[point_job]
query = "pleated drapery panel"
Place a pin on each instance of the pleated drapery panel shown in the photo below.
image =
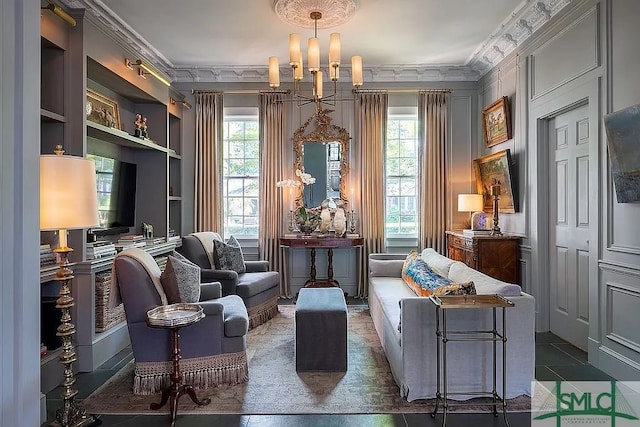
(371, 128)
(272, 153)
(208, 203)
(433, 118)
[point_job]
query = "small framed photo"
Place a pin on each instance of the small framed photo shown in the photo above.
(102, 110)
(496, 121)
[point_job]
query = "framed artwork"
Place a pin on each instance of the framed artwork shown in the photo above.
(623, 141)
(496, 122)
(102, 110)
(495, 169)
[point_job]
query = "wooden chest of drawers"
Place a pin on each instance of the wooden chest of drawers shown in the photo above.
(496, 256)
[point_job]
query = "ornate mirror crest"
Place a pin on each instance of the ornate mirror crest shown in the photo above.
(323, 133)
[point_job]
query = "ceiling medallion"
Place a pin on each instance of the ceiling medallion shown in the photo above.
(298, 12)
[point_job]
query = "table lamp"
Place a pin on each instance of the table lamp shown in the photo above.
(495, 194)
(472, 203)
(68, 200)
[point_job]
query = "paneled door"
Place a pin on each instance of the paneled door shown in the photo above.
(569, 225)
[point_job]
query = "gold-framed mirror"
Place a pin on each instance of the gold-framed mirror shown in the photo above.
(323, 152)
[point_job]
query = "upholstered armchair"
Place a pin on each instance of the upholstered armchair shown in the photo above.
(258, 287)
(213, 350)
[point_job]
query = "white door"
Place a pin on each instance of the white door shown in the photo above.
(569, 225)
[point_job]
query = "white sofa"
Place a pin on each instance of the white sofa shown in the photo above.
(411, 351)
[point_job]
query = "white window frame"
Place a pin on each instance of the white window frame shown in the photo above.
(237, 115)
(402, 113)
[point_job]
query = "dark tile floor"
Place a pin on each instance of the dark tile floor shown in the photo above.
(555, 360)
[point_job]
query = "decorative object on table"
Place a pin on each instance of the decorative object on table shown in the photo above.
(495, 169)
(623, 139)
(340, 222)
(60, 177)
(143, 128)
(102, 110)
(353, 222)
(147, 230)
(495, 193)
(325, 220)
(307, 220)
(497, 122)
(292, 185)
(471, 203)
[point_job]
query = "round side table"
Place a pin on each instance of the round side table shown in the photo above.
(174, 317)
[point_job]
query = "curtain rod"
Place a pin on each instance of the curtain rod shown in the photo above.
(240, 91)
(401, 90)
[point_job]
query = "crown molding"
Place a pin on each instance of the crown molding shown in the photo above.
(522, 24)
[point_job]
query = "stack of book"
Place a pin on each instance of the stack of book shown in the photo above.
(155, 241)
(128, 241)
(47, 257)
(100, 249)
(172, 236)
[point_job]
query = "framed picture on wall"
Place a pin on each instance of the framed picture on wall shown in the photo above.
(102, 110)
(623, 140)
(495, 169)
(496, 121)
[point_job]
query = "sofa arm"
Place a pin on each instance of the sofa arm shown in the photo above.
(386, 265)
(227, 278)
(256, 266)
(210, 291)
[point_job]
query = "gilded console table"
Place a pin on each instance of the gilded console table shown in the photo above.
(330, 243)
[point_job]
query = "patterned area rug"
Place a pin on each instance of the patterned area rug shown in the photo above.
(274, 387)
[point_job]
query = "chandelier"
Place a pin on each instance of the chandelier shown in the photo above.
(304, 13)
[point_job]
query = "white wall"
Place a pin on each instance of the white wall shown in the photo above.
(19, 214)
(587, 53)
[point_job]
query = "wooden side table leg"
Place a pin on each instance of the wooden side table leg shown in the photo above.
(312, 272)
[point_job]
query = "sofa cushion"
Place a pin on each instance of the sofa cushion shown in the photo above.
(419, 277)
(236, 319)
(438, 263)
(181, 280)
(467, 288)
(228, 255)
(385, 267)
(459, 272)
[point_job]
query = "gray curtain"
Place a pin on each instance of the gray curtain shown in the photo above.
(208, 203)
(433, 118)
(371, 129)
(272, 152)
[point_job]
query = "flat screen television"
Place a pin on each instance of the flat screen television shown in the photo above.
(116, 182)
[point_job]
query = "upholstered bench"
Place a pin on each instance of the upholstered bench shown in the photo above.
(321, 330)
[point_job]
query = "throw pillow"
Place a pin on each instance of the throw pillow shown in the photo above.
(419, 277)
(228, 255)
(467, 288)
(181, 281)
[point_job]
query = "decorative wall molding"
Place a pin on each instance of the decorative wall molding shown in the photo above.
(522, 23)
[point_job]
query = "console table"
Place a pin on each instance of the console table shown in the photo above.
(330, 243)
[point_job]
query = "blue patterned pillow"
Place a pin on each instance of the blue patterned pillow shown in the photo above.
(228, 256)
(419, 277)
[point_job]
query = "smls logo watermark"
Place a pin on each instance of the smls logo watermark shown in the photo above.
(585, 403)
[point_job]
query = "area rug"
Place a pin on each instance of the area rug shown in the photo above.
(274, 386)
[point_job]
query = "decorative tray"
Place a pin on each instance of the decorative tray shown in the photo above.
(179, 314)
(471, 301)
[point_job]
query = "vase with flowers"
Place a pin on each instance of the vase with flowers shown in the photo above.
(307, 220)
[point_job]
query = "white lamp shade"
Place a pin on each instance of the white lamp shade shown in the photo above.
(356, 70)
(470, 202)
(274, 72)
(334, 49)
(294, 50)
(68, 194)
(313, 54)
(298, 74)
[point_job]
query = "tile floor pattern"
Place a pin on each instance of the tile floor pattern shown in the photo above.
(555, 360)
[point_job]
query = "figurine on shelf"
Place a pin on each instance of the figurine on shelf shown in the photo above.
(144, 128)
(138, 125)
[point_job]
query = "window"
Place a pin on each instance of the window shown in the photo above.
(241, 165)
(401, 158)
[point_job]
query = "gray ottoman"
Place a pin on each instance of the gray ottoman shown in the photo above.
(321, 330)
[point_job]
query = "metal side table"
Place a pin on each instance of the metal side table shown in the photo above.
(443, 305)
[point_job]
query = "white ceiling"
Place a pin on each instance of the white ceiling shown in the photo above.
(186, 37)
